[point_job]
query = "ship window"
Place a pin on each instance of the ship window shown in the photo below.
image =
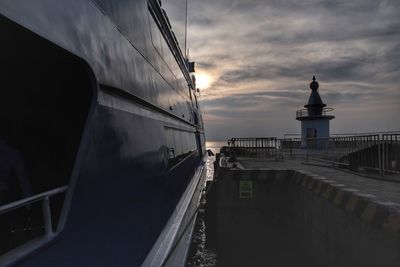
(177, 11)
(180, 144)
(156, 37)
(174, 76)
(194, 97)
(203, 141)
(45, 98)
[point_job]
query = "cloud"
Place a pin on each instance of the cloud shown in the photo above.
(262, 55)
(205, 65)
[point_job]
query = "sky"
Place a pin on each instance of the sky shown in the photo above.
(256, 58)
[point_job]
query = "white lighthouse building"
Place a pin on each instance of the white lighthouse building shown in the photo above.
(314, 119)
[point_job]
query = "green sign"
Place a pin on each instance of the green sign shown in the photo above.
(246, 189)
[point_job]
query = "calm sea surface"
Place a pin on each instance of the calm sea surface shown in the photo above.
(199, 255)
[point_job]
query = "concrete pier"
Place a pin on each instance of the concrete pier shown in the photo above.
(273, 213)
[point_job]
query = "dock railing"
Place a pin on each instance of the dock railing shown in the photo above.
(391, 152)
(379, 152)
(259, 147)
(351, 151)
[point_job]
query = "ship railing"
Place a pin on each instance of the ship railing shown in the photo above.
(304, 112)
(30, 245)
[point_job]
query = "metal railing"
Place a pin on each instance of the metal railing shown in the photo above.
(304, 112)
(391, 152)
(376, 152)
(259, 147)
(354, 151)
(253, 142)
(24, 249)
(44, 197)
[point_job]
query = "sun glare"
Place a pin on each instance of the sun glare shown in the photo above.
(202, 80)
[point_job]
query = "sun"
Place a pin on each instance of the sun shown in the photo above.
(203, 80)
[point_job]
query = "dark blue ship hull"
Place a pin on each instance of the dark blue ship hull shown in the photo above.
(125, 135)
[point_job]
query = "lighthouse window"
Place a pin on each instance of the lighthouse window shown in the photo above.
(311, 133)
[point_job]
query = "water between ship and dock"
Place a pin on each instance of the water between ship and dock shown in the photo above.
(200, 255)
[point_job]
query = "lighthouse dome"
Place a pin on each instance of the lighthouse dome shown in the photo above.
(314, 85)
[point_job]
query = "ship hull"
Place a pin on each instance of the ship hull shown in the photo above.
(136, 172)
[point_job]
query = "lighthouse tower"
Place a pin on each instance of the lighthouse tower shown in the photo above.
(314, 119)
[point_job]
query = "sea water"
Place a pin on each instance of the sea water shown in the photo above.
(200, 255)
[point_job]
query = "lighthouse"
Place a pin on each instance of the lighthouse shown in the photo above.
(314, 119)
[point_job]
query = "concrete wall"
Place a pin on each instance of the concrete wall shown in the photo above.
(298, 219)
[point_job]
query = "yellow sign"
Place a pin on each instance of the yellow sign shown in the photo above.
(246, 189)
